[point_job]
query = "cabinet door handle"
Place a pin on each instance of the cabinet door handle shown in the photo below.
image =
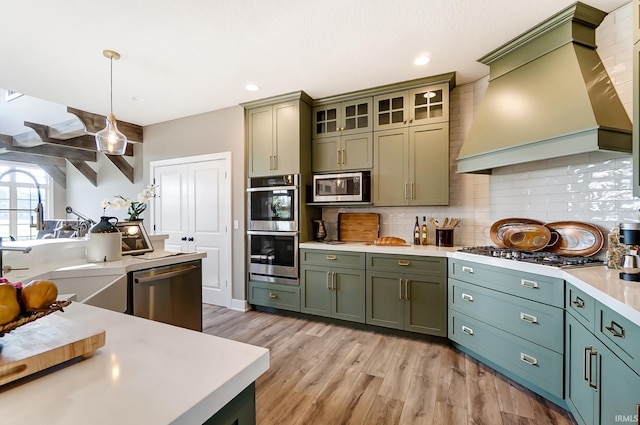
(578, 302)
(585, 372)
(592, 354)
(273, 295)
(400, 288)
(467, 330)
(467, 269)
(334, 285)
(613, 331)
(329, 280)
(529, 318)
(270, 162)
(530, 360)
(344, 155)
(406, 186)
(413, 192)
(531, 284)
(331, 257)
(406, 289)
(404, 263)
(466, 297)
(275, 162)
(338, 157)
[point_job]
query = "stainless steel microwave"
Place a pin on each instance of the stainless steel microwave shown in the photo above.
(342, 187)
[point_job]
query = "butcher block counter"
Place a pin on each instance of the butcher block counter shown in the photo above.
(147, 373)
(601, 283)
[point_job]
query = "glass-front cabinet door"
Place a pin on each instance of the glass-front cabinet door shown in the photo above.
(342, 118)
(423, 105)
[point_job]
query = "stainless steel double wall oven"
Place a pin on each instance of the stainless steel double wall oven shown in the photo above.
(273, 228)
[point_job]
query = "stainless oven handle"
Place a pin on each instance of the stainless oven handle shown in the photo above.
(271, 188)
(165, 275)
(262, 233)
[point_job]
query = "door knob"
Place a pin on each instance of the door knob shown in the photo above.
(184, 238)
(190, 239)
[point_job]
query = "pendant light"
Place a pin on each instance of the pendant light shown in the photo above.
(109, 140)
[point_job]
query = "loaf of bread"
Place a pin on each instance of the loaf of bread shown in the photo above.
(389, 240)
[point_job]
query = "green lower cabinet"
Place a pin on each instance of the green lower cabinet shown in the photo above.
(333, 292)
(410, 302)
(600, 388)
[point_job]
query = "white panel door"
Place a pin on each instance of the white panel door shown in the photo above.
(194, 209)
(208, 203)
(171, 206)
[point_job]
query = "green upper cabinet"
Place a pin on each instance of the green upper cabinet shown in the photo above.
(411, 166)
(342, 153)
(348, 117)
(423, 105)
(342, 136)
(278, 135)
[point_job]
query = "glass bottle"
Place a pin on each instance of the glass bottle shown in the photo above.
(425, 240)
(416, 232)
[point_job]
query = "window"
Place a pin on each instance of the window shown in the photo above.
(19, 198)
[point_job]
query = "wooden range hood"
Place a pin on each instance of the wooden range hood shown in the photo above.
(73, 141)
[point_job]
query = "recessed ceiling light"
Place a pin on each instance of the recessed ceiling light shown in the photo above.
(422, 60)
(252, 87)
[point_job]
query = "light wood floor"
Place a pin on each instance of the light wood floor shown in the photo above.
(323, 373)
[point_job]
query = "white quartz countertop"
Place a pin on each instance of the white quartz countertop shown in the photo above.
(147, 373)
(601, 283)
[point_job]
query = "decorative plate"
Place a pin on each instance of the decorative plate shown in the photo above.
(527, 237)
(501, 226)
(576, 238)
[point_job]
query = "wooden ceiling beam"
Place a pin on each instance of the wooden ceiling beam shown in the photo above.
(54, 151)
(122, 165)
(33, 159)
(95, 122)
(86, 171)
(85, 142)
(57, 174)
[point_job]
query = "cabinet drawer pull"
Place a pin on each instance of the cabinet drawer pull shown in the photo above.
(578, 302)
(331, 257)
(466, 297)
(273, 295)
(529, 318)
(404, 262)
(467, 269)
(613, 330)
(531, 284)
(467, 330)
(528, 359)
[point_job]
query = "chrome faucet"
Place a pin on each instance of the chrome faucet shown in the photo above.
(39, 210)
(23, 249)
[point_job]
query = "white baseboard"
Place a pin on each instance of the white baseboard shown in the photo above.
(240, 305)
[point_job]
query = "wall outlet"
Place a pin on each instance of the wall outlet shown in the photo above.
(236, 225)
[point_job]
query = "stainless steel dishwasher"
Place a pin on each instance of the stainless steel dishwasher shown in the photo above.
(170, 294)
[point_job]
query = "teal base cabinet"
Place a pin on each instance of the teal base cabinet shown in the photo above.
(407, 293)
(274, 295)
(602, 384)
(511, 319)
(332, 284)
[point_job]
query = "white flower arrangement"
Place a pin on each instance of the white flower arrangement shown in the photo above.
(134, 208)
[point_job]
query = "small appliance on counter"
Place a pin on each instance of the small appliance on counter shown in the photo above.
(630, 235)
(104, 241)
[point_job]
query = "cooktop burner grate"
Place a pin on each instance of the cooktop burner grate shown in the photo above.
(535, 257)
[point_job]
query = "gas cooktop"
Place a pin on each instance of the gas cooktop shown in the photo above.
(535, 257)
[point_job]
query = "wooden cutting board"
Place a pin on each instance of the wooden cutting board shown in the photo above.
(47, 342)
(358, 227)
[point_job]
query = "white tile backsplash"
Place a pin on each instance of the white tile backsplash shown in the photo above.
(593, 188)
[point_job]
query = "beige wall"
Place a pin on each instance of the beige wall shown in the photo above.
(212, 132)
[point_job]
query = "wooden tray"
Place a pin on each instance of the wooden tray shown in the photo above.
(358, 227)
(44, 343)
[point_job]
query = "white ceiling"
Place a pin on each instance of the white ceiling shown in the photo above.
(194, 56)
